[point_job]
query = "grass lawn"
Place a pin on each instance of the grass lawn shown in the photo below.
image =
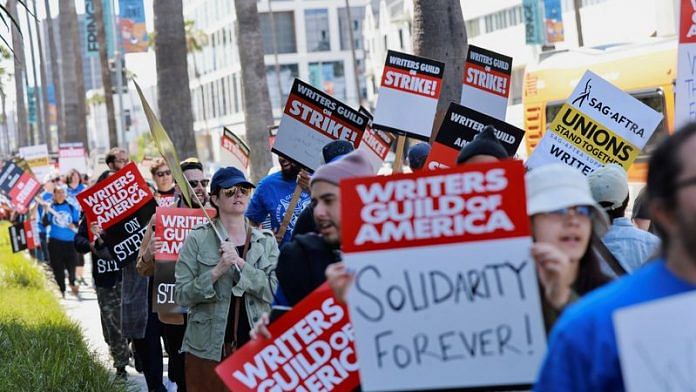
(41, 349)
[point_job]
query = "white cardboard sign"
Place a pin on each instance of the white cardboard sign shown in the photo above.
(685, 100)
(445, 292)
(72, 156)
(486, 82)
(657, 344)
(37, 158)
(376, 144)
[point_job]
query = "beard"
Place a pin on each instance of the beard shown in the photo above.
(291, 172)
(686, 225)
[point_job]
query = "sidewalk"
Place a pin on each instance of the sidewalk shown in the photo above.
(86, 313)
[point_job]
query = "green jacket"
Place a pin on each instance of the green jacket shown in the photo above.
(208, 302)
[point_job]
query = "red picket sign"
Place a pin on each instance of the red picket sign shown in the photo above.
(311, 349)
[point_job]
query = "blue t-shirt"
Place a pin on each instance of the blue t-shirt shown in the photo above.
(60, 224)
(582, 353)
(72, 195)
(272, 197)
(47, 197)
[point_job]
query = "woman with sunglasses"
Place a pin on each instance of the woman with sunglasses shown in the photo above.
(226, 285)
(164, 183)
(566, 221)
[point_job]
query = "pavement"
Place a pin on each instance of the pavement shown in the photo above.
(85, 312)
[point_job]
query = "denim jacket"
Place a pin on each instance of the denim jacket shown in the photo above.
(209, 302)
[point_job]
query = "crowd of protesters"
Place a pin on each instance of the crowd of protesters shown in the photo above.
(591, 259)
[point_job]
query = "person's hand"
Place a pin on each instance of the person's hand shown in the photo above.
(303, 180)
(339, 279)
(96, 229)
(556, 273)
(260, 329)
(155, 245)
(228, 259)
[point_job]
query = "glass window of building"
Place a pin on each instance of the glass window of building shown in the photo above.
(288, 73)
(317, 25)
(329, 77)
(357, 14)
(284, 23)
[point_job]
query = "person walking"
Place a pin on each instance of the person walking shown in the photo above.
(62, 217)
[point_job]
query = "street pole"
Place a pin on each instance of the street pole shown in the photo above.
(118, 57)
(576, 5)
(352, 51)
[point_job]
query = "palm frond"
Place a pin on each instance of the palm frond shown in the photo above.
(14, 21)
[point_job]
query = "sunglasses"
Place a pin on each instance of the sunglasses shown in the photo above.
(55, 180)
(585, 211)
(231, 192)
(194, 183)
(163, 173)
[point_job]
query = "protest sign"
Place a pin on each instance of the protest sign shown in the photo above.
(376, 144)
(311, 349)
(445, 292)
(599, 124)
(311, 120)
(18, 185)
(122, 206)
(685, 100)
(22, 236)
(37, 159)
(486, 82)
(72, 156)
(408, 95)
(234, 151)
(656, 352)
(460, 126)
(172, 225)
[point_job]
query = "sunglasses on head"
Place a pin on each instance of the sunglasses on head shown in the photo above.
(231, 192)
(576, 210)
(163, 173)
(194, 183)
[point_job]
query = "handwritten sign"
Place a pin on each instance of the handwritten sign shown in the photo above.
(311, 120)
(685, 100)
(599, 124)
(376, 144)
(408, 95)
(656, 352)
(122, 206)
(311, 350)
(486, 82)
(172, 225)
(445, 292)
(460, 126)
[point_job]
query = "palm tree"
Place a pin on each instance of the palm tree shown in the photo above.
(44, 82)
(105, 73)
(439, 33)
(174, 101)
(19, 70)
(74, 106)
(55, 74)
(258, 115)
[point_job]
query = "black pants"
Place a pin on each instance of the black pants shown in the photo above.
(173, 338)
(63, 256)
(149, 349)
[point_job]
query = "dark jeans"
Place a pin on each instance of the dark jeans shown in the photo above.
(42, 252)
(149, 349)
(63, 257)
(173, 338)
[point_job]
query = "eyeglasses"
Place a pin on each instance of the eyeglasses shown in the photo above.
(585, 211)
(121, 160)
(685, 183)
(55, 180)
(194, 183)
(163, 173)
(231, 192)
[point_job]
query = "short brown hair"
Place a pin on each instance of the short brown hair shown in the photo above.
(157, 164)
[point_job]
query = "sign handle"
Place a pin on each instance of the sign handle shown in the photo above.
(398, 158)
(289, 213)
(202, 207)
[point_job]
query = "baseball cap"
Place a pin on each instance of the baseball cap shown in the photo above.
(609, 184)
(227, 177)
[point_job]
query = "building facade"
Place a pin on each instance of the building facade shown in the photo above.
(302, 39)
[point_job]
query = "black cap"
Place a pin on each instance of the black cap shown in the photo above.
(191, 163)
(227, 177)
(485, 143)
(335, 149)
(417, 155)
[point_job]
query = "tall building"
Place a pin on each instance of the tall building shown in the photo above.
(304, 39)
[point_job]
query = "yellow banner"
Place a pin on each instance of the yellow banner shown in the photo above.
(593, 138)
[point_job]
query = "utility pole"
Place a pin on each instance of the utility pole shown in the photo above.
(578, 23)
(352, 51)
(118, 57)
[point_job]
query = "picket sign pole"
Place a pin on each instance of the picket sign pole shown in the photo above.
(202, 207)
(398, 158)
(289, 213)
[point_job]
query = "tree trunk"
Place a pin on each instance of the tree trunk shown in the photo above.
(74, 106)
(173, 94)
(19, 70)
(41, 134)
(258, 114)
(439, 33)
(105, 73)
(7, 148)
(44, 83)
(55, 76)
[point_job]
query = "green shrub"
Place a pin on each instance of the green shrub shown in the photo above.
(17, 271)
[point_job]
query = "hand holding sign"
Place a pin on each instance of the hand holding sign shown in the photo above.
(556, 273)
